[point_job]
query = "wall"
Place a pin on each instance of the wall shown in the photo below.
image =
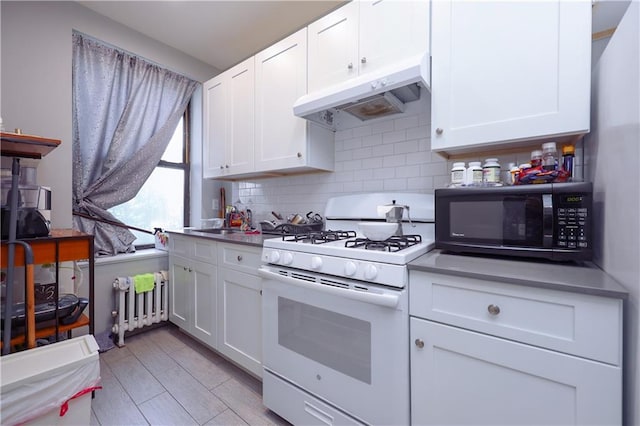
(392, 154)
(36, 78)
(614, 154)
(35, 73)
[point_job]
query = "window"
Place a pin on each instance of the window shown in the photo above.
(163, 201)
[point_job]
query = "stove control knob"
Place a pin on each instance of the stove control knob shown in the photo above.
(370, 272)
(316, 263)
(287, 258)
(274, 257)
(350, 269)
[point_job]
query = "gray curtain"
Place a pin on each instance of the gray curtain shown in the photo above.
(125, 111)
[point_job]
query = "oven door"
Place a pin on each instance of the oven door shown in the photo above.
(345, 345)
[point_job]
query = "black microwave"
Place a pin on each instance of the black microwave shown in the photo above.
(548, 221)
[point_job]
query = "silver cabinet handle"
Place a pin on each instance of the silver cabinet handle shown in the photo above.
(363, 60)
(299, 155)
(420, 343)
(226, 166)
(439, 131)
(221, 167)
(350, 66)
(493, 309)
(190, 270)
(239, 258)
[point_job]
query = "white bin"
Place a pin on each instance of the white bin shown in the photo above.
(36, 383)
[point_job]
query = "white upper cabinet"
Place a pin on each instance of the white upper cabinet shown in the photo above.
(284, 141)
(364, 36)
(505, 72)
(333, 47)
(228, 121)
(391, 30)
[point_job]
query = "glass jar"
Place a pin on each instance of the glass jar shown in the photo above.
(549, 156)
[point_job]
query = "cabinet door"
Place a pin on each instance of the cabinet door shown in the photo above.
(215, 127)
(333, 47)
(180, 283)
(508, 71)
(241, 106)
(281, 78)
(463, 377)
(203, 302)
(391, 30)
(240, 318)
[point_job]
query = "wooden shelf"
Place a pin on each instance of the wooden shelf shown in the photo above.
(61, 245)
(51, 330)
(26, 146)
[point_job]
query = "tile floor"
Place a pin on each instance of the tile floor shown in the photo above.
(163, 377)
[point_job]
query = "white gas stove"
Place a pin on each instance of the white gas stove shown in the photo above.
(335, 310)
(342, 251)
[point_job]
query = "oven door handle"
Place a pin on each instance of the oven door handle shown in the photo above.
(386, 300)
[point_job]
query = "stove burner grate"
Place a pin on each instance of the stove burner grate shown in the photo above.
(393, 244)
(319, 237)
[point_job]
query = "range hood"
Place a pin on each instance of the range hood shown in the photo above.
(372, 95)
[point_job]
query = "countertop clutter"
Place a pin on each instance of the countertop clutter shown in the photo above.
(583, 277)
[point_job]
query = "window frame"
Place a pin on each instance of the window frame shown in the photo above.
(185, 166)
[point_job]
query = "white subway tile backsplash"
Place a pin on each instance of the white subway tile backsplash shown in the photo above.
(385, 155)
(395, 160)
(408, 171)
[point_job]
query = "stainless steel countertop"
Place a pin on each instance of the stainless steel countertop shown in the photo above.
(585, 278)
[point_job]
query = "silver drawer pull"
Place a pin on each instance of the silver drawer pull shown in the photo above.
(493, 309)
(239, 258)
(420, 343)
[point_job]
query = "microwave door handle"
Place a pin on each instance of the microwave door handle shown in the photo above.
(547, 220)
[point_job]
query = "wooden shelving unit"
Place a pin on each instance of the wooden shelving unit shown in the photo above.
(62, 245)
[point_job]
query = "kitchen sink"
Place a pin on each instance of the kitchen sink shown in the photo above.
(219, 231)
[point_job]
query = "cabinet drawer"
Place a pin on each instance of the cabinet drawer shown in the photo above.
(299, 407)
(195, 248)
(180, 245)
(579, 324)
(241, 258)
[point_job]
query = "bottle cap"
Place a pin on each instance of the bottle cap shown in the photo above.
(568, 149)
(457, 165)
(536, 153)
(474, 164)
(549, 146)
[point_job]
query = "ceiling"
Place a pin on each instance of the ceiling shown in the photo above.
(219, 33)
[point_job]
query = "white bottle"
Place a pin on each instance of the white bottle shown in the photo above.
(491, 172)
(474, 174)
(458, 174)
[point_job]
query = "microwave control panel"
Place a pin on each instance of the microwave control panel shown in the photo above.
(572, 221)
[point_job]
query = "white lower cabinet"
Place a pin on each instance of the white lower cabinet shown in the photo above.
(240, 306)
(463, 377)
(192, 283)
(239, 313)
(485, 352)
(216, 296)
